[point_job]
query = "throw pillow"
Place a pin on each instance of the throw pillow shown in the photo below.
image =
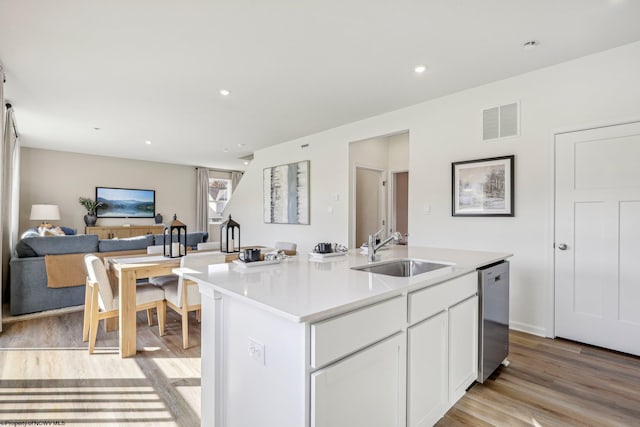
(56, 231)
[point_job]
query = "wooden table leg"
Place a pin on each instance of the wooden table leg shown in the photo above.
(127, 303)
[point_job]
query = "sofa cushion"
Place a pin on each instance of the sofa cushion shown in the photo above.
(131, 243)
(53, 245)
(192, 238)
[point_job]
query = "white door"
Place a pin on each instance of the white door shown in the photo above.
(366, 389)
(597, 237)
(369, 203)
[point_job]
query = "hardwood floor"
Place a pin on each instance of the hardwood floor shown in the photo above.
(46, 374)
(554, 383)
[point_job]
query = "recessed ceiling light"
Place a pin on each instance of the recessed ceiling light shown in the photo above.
(531, 44)
(147, 142)
(224, 92)
(246, 162)
(420, 69)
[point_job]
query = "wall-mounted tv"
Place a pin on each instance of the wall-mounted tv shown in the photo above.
(126, 203)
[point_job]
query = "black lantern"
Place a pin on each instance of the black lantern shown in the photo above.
(174, 238)
(230, 236)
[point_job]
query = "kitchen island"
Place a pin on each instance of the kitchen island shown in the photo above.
(312, 342)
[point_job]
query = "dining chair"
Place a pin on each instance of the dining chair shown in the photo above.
(102, 301)
(159, 280)
(182, 295)
(209, 246)
(155, 249)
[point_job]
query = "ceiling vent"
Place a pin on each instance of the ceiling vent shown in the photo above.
(501, 122)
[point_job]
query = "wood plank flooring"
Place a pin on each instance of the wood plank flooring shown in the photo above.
(554, 383)
(46, 374)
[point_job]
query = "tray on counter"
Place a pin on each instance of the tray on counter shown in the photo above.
(327, 255)
(256, 263)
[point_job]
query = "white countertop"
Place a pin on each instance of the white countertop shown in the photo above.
(306, 289)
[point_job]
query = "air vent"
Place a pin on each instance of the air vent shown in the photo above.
(501, 122)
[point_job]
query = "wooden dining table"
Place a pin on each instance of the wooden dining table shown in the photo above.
(127, 270)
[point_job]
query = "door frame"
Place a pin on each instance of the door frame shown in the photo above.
(551, 315)
(383, 204)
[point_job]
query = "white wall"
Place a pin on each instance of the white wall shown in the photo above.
(60, 178)
(598, 89)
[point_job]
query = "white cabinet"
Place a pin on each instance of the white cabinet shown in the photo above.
(463, 347)
(339, 336)
(427, 371)
(365, 389)
(442, 348)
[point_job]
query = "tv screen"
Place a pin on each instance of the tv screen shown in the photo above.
(126, 203)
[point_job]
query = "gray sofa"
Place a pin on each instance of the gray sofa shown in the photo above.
(28, 282)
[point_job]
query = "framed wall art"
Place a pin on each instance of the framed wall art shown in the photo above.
(483, 187)
(286, 194)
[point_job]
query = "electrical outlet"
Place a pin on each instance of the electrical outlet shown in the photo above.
(256, 351)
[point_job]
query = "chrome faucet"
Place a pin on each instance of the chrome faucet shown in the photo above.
(373, 248)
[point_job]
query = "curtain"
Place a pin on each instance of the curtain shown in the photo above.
(10, 191)
(3, 272)
(202, 199)
(235, 180)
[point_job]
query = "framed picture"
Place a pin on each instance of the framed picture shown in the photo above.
(286, 194)
(483, 187)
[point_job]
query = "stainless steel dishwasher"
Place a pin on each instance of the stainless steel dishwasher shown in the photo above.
(493, 326)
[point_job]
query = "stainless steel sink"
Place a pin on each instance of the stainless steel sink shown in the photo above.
(401, 267)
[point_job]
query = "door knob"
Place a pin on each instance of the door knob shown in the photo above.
(562, 247)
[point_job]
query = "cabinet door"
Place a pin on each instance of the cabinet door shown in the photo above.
(427, 371)
(463, 347)
(101, 232)
(365, 389)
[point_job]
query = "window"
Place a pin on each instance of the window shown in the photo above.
(219, 194)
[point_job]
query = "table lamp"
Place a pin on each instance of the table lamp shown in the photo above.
(45, 213)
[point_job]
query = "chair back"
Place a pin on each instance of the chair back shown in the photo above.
(287, 246)
(197, 261)
(97, 273)
(155, 249)
(208, 246)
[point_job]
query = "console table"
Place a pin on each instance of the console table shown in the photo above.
(123, 232)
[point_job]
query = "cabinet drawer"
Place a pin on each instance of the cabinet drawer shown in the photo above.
(427, 302)
(339, 336)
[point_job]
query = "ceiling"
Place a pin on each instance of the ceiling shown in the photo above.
(104, 77)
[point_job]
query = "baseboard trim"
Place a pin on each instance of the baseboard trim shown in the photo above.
(529, 329)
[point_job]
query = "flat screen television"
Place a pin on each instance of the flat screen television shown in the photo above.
(125, 203)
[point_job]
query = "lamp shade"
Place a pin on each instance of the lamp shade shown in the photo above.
(45, 212)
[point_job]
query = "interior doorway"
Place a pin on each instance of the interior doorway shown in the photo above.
(373, 165)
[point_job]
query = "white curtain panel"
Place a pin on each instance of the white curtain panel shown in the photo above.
(3, 272)
(236, 176)
(9, 200)
(202, 199)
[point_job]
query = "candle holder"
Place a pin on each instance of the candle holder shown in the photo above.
(230, 236)
(174, 239)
